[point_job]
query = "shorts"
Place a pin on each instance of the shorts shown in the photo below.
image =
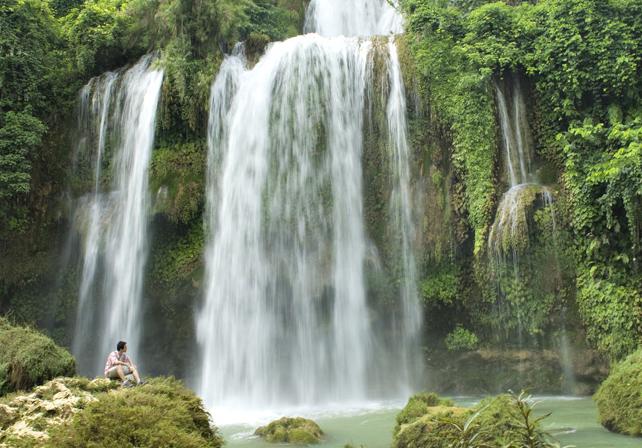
(113, 372)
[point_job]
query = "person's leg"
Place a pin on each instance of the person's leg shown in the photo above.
(121, 373)
(135, 373)
(116, 372)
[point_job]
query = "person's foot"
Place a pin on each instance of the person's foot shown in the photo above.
(127, 383)
(142, 383)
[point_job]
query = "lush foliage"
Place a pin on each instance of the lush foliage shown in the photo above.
(619, 399)
(29, 358)
(582, 60)
(461, 339)
(48, 50)
(161, 413)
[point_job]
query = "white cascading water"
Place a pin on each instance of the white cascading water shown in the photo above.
(362, 18)
(116, 237)
(510, 222)
(401, 212)
(95, 99)
(285, 320)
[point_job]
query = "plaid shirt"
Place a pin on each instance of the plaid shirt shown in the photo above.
(113, 358)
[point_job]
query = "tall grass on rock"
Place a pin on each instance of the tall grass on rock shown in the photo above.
(29, 358)
(619, 398)
(162, 413)
(503, 421)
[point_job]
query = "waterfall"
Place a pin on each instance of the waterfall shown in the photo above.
(124, 111)
(509, 232)
(401, 209)
(352, 18)
(285, 317)
(516, 136)
(92, 115)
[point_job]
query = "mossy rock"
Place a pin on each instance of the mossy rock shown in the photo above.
(27, 417)
(29, 358)
(419, 405)
(161, 413)
(495, 421)
(619, 398)
(296, 430)
(435, 429)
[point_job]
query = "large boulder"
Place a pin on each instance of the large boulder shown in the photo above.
(296, 430)
(29, 358)
(619, 398)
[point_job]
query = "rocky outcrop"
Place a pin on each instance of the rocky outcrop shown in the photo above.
(492, 371)
(26, 419)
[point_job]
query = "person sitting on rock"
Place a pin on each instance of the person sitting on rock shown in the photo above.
(119, 366)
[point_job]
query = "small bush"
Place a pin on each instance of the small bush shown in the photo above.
(619, 398)
(296, 430)
(29, 358)
(161, 413)
(460, 340)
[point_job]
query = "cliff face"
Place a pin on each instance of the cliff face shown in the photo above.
(548, 265)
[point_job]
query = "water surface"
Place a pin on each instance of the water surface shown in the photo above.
(573, 422)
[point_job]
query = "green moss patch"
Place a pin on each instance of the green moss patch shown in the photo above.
(619, 399)
(297, 430)
(29, 358)
(419, 405)
(161, 413)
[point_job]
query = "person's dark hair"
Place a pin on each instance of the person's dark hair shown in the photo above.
(120, 345)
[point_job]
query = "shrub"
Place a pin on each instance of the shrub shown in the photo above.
(295, 430)
(29, 358)
(461, 339)
(619, 398)
(161, 413)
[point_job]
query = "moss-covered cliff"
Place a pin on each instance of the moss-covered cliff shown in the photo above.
(571, 270)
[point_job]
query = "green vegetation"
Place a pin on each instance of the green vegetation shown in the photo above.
(297, 430)
(580, 60)
(78, 412)
(161, 413)
(419, 405)
(577, 260)
(461, 339)
(27, 417)
(619, 399)
(48, 50)
(29, 358)
(505, 420)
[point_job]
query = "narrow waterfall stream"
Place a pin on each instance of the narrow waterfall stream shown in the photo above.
(119, 114)
(285, 319)
(510, 229)
(509, 237)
